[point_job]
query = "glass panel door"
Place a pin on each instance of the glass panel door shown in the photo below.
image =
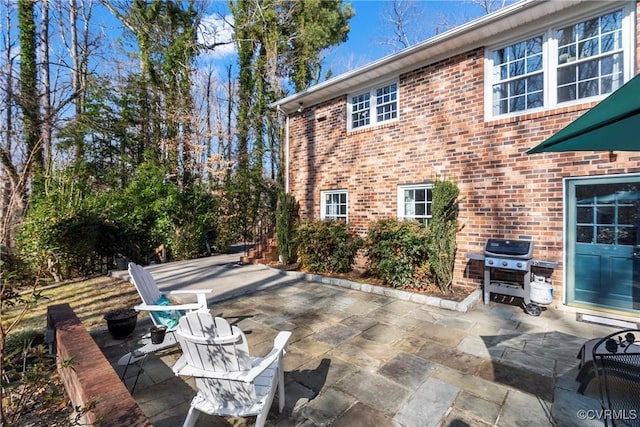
(603, 245)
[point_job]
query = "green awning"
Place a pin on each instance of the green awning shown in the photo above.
(612, 125)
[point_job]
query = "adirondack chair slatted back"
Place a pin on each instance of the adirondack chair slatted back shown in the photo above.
(144, 283)
(196, 334)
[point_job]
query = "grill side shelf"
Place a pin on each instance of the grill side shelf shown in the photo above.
(544, 264)
(476, 256)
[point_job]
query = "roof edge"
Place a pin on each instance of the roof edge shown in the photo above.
(385, 61)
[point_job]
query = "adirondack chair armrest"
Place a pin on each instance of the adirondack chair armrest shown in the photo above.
(186, 307)
(181, 367)
(260, 364)
(201, 295)
(188, 291)
(281, 340)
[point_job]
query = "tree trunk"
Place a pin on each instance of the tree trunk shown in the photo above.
(29, 97)
(47, 126)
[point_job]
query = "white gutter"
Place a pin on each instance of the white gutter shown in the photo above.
(390, 63)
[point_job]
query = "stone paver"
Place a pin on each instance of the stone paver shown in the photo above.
(374, 390)
(407, 369)
(429, 404)
(357, 358)
(524, 409)
(324, 409)
(478, 386)
(451, 357)
(517, 378)
(478, 408)
(360, 415)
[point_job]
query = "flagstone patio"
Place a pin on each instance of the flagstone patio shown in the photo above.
(361, 359)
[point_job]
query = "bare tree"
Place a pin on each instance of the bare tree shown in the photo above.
(404, 20)
(11, 175)
(407, 22)
(489, 6)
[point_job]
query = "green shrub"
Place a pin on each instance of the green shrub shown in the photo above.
(150, 208)
(326, 246)
(76, 241)
(396, 249)
(286, 215)
(193, 232)
(443, 228)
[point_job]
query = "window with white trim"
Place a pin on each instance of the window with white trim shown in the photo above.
(373, 106)
(590, 57)
(334, 205)
(583, 60)
(518, 76)
(414, 202)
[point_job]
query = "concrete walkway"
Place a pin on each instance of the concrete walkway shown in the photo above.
(364, 359)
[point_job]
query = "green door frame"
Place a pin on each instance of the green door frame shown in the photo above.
(570, 222)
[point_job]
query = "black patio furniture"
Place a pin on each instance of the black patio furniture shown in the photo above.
(616, 362)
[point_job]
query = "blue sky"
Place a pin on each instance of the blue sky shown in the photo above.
(369, 31)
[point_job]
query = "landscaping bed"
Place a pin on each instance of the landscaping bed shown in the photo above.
(455, 293)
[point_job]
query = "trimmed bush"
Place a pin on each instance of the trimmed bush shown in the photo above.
(443, 228)
(396, 249)
(409, 254)
(326, 246)
(286, 216)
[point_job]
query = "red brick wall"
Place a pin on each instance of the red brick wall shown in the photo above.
(442, 133)
(90, 377)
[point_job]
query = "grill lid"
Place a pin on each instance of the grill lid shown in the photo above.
(521, 249)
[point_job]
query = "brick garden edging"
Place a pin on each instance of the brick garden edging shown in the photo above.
(462, 306)
(90, 377)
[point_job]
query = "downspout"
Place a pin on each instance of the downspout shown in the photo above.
(286, 149)
(286, 155)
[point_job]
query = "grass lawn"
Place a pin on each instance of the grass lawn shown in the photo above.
(90, 299)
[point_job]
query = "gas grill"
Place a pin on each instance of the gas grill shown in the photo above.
(508, 254)
(507, 267)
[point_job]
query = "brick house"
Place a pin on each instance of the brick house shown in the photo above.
(466, 105)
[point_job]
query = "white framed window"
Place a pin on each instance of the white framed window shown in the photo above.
(333, 205)
(414, 202)
(373, 106)
(590, 57)
(587, 59)
(518, 77)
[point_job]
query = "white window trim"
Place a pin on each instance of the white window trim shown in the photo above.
(372, 108)
(550, 46)
(323, 203)
(400, 197)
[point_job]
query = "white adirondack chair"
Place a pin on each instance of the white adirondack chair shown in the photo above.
(229, 381)
(162, 311)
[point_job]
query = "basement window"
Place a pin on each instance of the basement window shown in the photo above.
(334, 205)
(414, 202)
